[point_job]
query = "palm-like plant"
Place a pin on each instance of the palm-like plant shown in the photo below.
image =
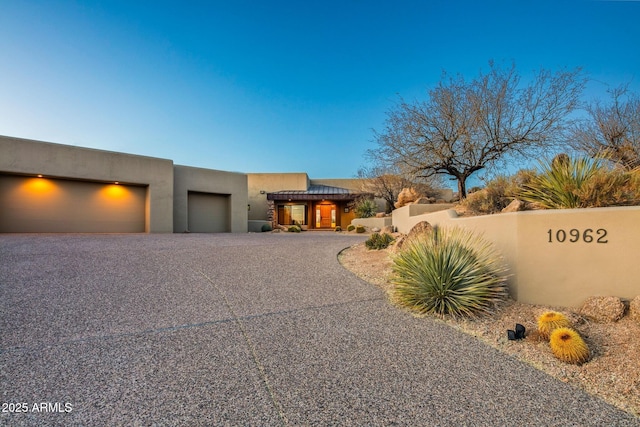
(365, 208)
(558, 185)
(449, 272)
(581, 183)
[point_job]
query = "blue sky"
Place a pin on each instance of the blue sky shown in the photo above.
(284, 86)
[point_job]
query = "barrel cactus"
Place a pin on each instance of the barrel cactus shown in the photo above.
(551, 320)
(568, 346)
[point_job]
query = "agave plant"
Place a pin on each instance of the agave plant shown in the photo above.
(449, 272)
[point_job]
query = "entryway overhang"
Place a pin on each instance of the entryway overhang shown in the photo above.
(316, 192)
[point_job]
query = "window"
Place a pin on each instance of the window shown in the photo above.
(292, 214)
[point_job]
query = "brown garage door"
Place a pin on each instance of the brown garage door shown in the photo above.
(209, 213)
(46, 205)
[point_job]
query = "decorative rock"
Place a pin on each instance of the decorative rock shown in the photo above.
(375, 230)
(388, 229)
(515, 206)
(381, 215)
(422, 201)
(418, 229)
(406, 196)
(603, 309)
(634, 309)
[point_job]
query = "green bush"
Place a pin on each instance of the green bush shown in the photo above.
(266, 227)
(448, 272)
(294, 229)
(338, 228)
(365, 208)
(360, 229)
(351, 227)
(379, 241)
(567, 183)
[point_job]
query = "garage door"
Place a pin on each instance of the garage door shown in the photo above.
(209, 213)
(46, 205)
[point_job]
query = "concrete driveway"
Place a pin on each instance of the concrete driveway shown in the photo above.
(243, 330)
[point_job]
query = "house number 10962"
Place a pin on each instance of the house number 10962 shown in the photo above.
(574, 235)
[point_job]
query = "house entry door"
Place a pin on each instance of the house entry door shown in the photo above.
(327, 216)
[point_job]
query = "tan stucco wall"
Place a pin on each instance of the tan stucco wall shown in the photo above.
(557, 273)
(214, 182)
(269, 183)
(23, 156)
(373, 222)
(354, 184)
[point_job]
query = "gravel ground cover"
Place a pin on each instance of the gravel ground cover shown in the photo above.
(256, 329)
(612, 373)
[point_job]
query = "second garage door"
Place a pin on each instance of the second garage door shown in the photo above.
(209, 212)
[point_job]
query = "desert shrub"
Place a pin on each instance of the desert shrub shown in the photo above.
(567, 183)
(448, 272)
(266, 227)
(360, 229)
(338, 228)
(379, 241)
(568, 346)
(498, 193)
(351, 227)
(365, 208)
(294, 229)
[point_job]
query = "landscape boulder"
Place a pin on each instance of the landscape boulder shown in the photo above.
(389, 229)
(420, 228)
(634, 309)
(603, 309)
(515, 206)
(422, 201)
(406, 196)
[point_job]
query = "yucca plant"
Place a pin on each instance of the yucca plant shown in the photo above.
(365, 208)
(551, 320)
(568, 346)
(449, 272)
(559, 183)
(581, 183)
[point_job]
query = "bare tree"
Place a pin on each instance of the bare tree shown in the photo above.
(387, 183)
(611, 130)
(464, 127)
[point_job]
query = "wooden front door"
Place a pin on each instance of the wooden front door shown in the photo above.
(325, 216)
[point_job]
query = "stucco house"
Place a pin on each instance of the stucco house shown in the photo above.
(294, 199)
(47, 187)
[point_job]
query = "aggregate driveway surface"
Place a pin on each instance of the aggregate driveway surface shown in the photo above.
(245, 329)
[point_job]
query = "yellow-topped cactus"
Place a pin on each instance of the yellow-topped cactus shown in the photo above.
(551, 320)
(568, 346)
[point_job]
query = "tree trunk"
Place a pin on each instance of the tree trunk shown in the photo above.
(462, 187)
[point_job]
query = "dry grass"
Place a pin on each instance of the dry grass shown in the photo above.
(612, 373)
